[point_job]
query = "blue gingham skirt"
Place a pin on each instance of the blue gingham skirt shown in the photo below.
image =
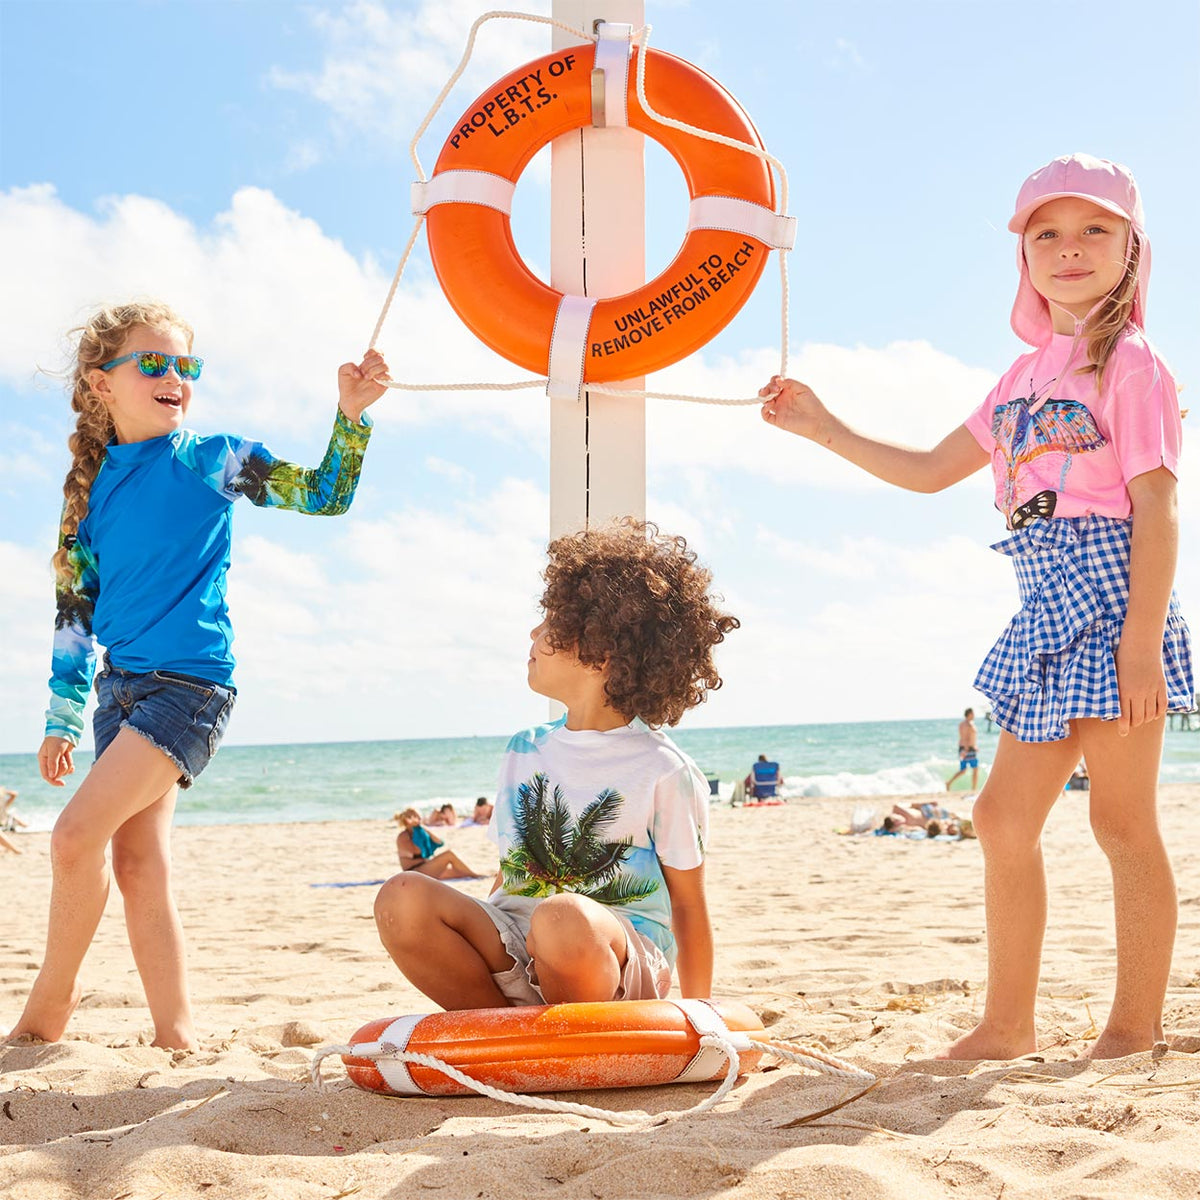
(1057, 659)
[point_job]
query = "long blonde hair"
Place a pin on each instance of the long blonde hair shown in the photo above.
(100, 338)
(1104, 329)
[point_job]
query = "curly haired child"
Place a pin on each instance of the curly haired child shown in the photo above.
(600, 818)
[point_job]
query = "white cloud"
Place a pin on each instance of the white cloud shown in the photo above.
(846, 56)
(856, 558)
(452, 472)
(909, 392)
(384, 68)
(301, 156)
(417, 624)
(277, 304)
(904, 636)
(27, 459)
(28, 621)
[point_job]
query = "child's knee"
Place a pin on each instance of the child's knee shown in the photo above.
(994, 824)
(1120, 831)
(395, 900)
(401, 902)
(73, 844)
(565, 925)
(135, 871)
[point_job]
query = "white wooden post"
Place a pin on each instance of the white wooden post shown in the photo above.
(597, 248)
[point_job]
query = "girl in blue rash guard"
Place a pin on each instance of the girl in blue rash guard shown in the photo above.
(143, 552)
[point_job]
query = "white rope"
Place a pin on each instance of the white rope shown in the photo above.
(412, 153)
(825, 1064)
(642, 37)
(466, 58)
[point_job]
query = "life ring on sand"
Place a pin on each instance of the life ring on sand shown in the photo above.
(732, 222)
(553, 1048)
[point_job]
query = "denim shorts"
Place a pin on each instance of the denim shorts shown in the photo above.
(180, 715)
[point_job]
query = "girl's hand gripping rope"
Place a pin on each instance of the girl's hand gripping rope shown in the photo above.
(793, 406)
(359, 386)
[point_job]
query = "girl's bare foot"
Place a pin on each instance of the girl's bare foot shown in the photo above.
(46, 1019)
(1117, 1043)
(176, 1039)
(985, 1043)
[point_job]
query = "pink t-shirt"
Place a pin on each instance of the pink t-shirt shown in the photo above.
(1075, 453)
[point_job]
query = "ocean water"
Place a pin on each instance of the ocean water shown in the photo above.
(351, 780)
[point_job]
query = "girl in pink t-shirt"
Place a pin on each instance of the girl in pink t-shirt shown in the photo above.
(1083, 437)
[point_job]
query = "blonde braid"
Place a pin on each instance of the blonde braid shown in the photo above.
(100, 339)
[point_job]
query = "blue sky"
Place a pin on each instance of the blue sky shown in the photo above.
(248, 162)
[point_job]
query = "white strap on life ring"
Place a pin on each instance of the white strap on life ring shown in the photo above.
(710, 1059)
(463, 187)
(395, 1072)
(614, 42)
(742, 216)
(568, 348)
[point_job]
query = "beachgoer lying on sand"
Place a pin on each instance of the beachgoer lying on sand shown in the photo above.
(445, 815)
(921, 814)
(949, 826)
(418, 850)
(483, 811)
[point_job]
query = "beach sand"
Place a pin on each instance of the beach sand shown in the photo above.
(871, 948)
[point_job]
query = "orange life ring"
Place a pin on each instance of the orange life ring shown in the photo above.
(670, 317)
(553, 1048)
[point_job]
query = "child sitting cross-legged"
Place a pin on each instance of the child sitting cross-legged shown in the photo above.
(600, 818)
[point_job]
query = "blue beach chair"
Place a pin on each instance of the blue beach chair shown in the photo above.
(766, 780)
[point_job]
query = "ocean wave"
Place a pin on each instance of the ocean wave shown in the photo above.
(911, 779)
(1179, 772)
(916, 779)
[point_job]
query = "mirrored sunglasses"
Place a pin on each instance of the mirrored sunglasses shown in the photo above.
(154, 365)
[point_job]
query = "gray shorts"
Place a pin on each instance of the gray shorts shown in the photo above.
(645, 976)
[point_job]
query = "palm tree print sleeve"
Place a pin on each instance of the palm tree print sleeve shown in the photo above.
(74, 654)
(239, 467)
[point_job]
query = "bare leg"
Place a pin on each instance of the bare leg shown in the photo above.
(1026, 779)
(128, 777)
(8, 845)
(141, 863)
(579, 947)
(442, 941)
(445, 864)
(1123, 800)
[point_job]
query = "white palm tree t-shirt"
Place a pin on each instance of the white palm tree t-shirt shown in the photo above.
(598, 814)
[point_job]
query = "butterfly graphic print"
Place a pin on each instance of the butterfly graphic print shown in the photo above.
(1038, 442)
